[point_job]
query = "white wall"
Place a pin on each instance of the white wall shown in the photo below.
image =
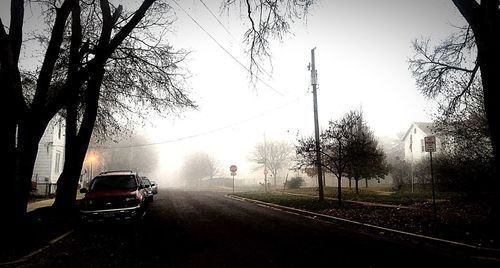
(417, 152)
(50, 146)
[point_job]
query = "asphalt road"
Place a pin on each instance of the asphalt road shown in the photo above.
(207, 229)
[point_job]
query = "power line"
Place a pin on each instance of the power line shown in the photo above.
(206, 132)
(262, 69)
(225, 50)
(215, 17)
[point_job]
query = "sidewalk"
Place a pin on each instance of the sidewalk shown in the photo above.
(47, 203)
(40, 204)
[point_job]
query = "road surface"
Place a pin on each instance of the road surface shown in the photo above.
(207, 229)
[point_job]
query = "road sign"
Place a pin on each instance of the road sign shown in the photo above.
(233, 168)
(430, 143)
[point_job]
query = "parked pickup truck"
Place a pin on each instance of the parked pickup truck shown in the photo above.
(114, 195)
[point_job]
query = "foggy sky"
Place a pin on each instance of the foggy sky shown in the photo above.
(362, 48)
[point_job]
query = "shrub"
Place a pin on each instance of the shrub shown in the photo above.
(294, 183)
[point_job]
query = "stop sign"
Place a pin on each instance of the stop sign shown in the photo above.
(233, 168)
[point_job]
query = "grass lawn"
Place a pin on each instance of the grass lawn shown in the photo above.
(384, 196)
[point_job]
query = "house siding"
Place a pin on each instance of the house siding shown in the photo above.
(415, 136)
(50, 146)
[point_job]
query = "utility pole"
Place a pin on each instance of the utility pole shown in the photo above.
(314, 82)
(265, 162)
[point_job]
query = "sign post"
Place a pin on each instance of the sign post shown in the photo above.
(430, 146)
(233, 169)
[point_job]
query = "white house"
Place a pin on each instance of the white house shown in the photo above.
(414, 147)
(50, 158)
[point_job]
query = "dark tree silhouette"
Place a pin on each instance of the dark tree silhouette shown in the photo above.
(334, 146)
(367, 159)
(140, 75)
(453, 73)
(51, 92)
(268, 20)
(483, 18)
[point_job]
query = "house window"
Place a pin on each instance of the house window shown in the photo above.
(422, 145)
(58, 162)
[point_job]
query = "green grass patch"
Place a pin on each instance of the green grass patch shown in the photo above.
(404, 198)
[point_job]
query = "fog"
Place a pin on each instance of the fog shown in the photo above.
(362, 48)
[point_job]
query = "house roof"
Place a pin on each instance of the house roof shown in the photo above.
(427, 127)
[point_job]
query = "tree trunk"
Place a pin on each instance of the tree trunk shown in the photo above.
(29, 135)
(339, 189)
(77, 146)
(11, 111)
(69, 178)
(8, 166)
(350, 181)
(67, 184)
(489, 60)
(357, 185)
(484, 19)
(366, 182)
(73, 162)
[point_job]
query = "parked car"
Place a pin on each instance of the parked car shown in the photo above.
(154, 186)
(114, 195)
(148, 188)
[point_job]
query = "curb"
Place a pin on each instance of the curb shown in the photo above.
(329, 218)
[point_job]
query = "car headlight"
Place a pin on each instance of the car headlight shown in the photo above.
(132, 200)
(87, 202)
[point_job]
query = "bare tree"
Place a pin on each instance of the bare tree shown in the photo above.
(367, 159)
(28, 114)
(138, 74)
(198, 166)
(26, 119)
(483, 18)
(214, 167)
(273, 156)
(451, 72)
(268, 20)
(334, 146)
(468, 58)
(448, 71)
(34, 110)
